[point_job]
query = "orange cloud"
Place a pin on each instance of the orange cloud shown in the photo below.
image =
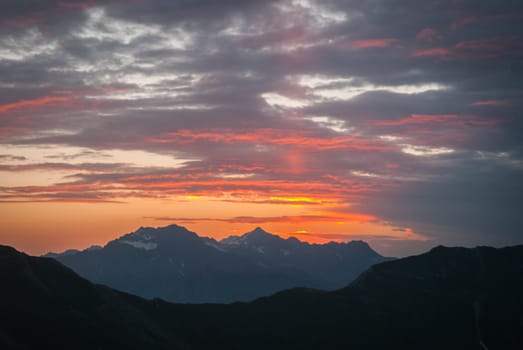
(291, 219)
(268, 187)
(271, 137)
(292, 192)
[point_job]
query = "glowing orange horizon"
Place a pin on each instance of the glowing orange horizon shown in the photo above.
(64, 224)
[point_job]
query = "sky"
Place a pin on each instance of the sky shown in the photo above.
(397, 122)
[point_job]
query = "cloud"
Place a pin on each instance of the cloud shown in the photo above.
(433, 51)
(429, 34)
(336, 103)
(460, 209)
(494, 103)
(371, 43)
(301, 219)
(43, 101)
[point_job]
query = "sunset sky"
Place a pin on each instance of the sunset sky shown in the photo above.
(398, 122)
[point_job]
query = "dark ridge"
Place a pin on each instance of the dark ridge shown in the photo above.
(448, 298)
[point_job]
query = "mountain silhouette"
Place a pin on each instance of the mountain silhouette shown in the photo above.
(448, 298)
(177, 265)
(45, 305)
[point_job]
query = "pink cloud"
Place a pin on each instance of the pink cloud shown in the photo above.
(81, 5)
(493, 47)
(434, 51)
(36, 18)
(24, 21)
(373, 43)
(483, 48)
(42, 101)
(454, 120)
(429, 34)
(478, 19)
(495, 103)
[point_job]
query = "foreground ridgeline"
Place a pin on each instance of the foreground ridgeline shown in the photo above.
(448, 298)
(177, 265)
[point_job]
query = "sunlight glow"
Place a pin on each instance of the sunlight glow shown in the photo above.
(297, 199)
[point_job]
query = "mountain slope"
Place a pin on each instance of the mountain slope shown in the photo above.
(46, 305)
(177, 265)
(333, 265)
(450, 298)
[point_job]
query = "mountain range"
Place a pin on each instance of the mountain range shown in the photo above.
(177, 265)
(448, 298)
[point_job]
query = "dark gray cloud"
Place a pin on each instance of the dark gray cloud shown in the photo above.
(464, 209)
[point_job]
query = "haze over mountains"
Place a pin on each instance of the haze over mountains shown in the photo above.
(448, 298)
(177, 265)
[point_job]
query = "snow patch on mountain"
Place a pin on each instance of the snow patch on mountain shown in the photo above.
(141, 233)
(141, 245)
(234, 240)
(214, 245)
